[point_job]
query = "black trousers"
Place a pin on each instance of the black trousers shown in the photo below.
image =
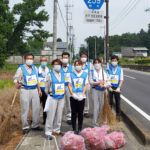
(117, 100)
(77, 108)
(43, 101)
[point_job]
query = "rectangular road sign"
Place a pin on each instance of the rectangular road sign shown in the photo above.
(94, 16)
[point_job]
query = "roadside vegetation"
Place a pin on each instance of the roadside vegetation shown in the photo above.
(135, 61)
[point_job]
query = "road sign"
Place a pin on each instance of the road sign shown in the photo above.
(94, 16)
(94, 4)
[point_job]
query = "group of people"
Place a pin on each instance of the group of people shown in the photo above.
(69, 85)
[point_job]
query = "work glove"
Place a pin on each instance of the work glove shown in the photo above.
(110, 89)
(107, 85)
(75, 96)
(118, 90)
(81, 97)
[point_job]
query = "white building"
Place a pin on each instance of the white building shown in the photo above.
(48, 48)
(132, 52)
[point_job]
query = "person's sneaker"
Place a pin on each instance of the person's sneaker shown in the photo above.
(79, 131)
(37, 129)
(48, 137)
(44, 122)
(69, 122)
(86, 115)
(58, 134)
(75, 132)
(26, 131)
(118, 117)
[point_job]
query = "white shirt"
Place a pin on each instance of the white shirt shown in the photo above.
(48, 86)
(19, 74)
(79, 94)
(43, 71)
(121, 74)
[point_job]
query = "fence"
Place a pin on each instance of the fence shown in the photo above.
(20, 59)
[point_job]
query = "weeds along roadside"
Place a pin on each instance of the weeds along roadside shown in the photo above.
(13, 132)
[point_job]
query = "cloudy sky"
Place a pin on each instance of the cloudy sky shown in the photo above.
(125, 16)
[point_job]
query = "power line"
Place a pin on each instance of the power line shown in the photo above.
(120, 17)
(61, 14)
(127, 13)
(123, 10)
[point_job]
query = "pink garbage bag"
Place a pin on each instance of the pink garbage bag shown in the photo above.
(114, 140)
(94, 137)
(71, 141)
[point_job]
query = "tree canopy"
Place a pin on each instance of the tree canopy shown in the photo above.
(141, 39)
(21, 26)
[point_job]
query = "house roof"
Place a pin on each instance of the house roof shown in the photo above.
(129, 51)
(140, 49)
(59, 45)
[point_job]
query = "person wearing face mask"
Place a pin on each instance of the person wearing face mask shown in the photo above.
(116, 78)
(43, 71)
(77, 86)
(67, 69)
(29, 93)
(55, 89)
(87, 67)
(98, 85)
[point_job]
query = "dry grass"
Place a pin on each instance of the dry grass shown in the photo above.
(10, 120)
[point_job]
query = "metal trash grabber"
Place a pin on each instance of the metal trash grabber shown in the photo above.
(49, 143)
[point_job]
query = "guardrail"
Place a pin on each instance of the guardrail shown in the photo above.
(137, 67)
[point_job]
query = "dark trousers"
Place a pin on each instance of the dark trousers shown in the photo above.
(43, 101)
(77, 108)
(117, 100)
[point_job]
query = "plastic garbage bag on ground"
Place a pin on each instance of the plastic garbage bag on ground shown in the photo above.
(71, 141)
(94, 137)
(114, 140)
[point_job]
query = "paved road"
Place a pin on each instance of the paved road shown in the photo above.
(136, 88)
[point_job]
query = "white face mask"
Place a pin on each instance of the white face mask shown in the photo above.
(114, 63)
(57, 67)
(83, 59)
(29, 62)
(78, 68)
(97, 66)
(65, 61)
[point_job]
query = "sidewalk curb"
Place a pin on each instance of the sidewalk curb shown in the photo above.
(136, 127)
(19, 144)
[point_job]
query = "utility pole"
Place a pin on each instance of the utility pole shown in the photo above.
(107, 31)
(73, 52)
(104, 44)
(55, 30)
(67, 33)
(67, 22)
(95, 47)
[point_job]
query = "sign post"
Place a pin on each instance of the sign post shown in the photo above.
(107, 31)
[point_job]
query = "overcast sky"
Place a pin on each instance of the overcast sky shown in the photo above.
(125, 16)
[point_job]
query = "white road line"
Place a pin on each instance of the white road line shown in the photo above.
(130, 77)
(136, 108)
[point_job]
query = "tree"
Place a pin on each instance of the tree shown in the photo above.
(35, 46)
(6, 26)
(28, 26)
(59, 40)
